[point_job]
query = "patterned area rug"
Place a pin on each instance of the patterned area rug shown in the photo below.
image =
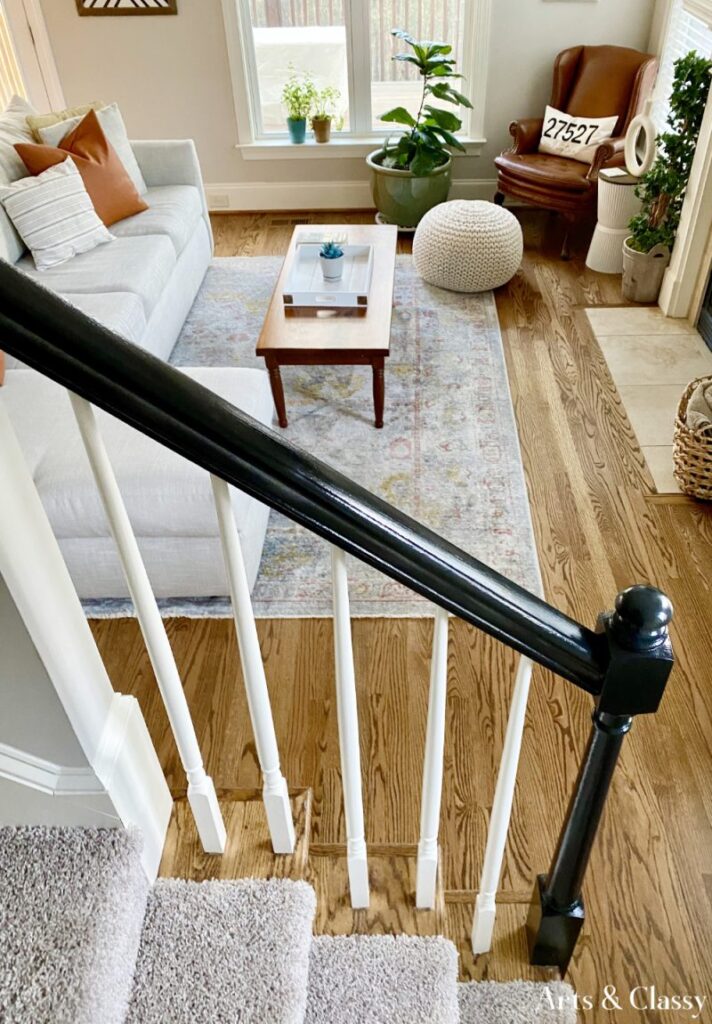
(448, 454)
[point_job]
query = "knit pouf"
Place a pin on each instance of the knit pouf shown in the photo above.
(468, 246)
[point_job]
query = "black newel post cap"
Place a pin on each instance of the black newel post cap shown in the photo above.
(637, 650)
(641, 617)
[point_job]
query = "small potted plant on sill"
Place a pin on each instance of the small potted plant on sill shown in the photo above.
(298, 97)
(646, 252)
(323, 112)
(331, 257)
(414, 174)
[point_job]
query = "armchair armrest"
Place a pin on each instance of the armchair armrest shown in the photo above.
(609, 154)
(171, 162)
(526, 134)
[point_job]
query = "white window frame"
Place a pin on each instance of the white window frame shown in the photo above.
(354, 143)
(34, 54)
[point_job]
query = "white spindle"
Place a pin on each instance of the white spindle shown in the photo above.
(274, 793)
(347, 714)
(433, 766)
(201, 791)
(485, 907)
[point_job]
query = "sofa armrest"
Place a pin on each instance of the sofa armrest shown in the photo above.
(171, 162)
(609, 154)
(526, 134)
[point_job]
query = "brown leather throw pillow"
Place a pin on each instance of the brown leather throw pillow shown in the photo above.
(111, 190)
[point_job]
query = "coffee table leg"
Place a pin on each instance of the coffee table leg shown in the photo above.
(379, 389)
(275, 380)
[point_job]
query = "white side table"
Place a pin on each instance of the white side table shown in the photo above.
(617, 203)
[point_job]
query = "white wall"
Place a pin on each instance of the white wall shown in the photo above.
(171, 78)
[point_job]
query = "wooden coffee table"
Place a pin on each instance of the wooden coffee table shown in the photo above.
(330, 337)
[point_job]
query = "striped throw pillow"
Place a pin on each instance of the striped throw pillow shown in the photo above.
(54, 215)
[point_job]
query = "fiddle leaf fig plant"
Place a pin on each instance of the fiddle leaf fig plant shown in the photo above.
(662, 188)
(427, 136)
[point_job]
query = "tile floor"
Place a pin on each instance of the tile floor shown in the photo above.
(652, 358)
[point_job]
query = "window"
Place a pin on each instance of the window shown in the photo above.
(684, 32)
(347, 45)
(10, 78)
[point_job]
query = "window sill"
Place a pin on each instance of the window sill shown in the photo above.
(347, 148)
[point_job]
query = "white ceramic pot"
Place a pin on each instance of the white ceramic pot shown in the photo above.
(332, 269)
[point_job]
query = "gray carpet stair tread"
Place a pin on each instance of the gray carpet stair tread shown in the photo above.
(223, 951)
(72, 902)
(383, 979)
(516, 1002)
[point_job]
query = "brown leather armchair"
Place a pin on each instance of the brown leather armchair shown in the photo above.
(589, 81)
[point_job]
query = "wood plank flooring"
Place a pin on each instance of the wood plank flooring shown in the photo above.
(598, 529)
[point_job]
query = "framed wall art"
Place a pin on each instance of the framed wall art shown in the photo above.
(114, 7)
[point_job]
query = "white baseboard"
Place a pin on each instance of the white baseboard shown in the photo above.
(54, 779)
(319, 195)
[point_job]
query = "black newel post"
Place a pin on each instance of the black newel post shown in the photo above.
(638, 658)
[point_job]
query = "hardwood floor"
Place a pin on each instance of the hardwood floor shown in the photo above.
(598, 529)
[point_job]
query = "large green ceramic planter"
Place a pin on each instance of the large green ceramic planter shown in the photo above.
(403, 199)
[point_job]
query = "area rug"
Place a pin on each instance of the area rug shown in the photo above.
(448, 453)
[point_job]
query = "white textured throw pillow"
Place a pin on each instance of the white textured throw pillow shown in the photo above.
(54, 215)
(13, 128)
(112, 124)
(574, 137)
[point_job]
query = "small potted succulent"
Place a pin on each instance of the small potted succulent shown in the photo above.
(323, 112)
(298, 97)
(331, 257)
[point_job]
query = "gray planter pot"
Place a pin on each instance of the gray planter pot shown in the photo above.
(403, 199)
(643, 272)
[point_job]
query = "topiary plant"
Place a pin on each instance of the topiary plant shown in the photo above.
(424, 146)
(662, 189)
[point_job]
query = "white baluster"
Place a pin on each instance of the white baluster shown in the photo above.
(201, 791)
(274, 793)
(347, 714)
(433, 767)
(485, 907)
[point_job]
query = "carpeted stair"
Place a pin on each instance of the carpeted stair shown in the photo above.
(83, 941)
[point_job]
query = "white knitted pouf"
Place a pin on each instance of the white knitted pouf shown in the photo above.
(468, 246)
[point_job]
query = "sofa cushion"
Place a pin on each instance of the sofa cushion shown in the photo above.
(13, 128)
(165, 495)
(139, 265)
(173, 210)
(121, 312)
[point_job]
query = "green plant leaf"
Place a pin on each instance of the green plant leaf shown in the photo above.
(399, 115)
(444, 91)
(408, 58)
(450, 139)
(400, 33)
(444, 118)
(424, 163)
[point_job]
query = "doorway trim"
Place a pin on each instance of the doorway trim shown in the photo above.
(34, 54)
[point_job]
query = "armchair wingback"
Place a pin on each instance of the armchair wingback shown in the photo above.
(588, 81)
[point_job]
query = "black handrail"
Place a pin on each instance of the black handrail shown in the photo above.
(63, 343)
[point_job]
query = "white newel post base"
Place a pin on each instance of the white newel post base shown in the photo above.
(357, 863)
(275, 796)
(483, 923)
(208, 819)
(427, 874)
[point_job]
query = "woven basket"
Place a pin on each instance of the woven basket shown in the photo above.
(692, 450)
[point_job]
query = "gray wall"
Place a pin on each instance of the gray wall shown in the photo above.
(170, 75)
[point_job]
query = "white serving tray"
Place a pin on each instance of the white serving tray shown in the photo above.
(305, 287)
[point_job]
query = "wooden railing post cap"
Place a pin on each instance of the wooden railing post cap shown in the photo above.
(642, 617)
(639, 653)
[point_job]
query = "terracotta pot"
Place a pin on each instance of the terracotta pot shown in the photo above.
(321, 126)
(400, 197)
(643, 272)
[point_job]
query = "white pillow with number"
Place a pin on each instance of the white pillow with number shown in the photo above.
(574, 137)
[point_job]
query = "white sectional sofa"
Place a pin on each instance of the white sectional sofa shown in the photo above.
(142, 286)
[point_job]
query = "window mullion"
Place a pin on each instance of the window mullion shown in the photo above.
(358, 48)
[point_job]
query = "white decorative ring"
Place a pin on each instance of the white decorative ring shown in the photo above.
(640, 145)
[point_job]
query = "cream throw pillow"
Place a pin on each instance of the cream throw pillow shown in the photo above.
(54, 215)
(13, 128)
(574, 137)
(37, 121)
(112, 124)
